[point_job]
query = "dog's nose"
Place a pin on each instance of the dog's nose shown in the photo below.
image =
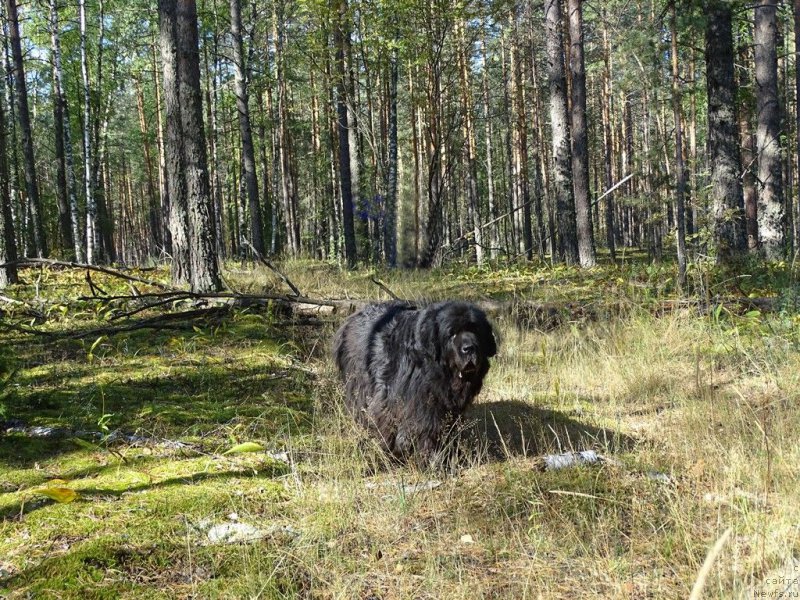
(468, 349)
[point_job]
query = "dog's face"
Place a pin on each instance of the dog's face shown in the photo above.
(462, 337)
(465, 355)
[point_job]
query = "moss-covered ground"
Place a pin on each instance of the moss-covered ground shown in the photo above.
(696, 412)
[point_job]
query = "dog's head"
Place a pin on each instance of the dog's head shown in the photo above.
(460, 336)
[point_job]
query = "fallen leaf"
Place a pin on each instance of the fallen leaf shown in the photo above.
(59, 494)
(245, 447)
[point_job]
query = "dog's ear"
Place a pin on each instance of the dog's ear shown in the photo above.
(426, 334)
(486, 336)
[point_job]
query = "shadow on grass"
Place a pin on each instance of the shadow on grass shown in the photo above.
(267, 470)
(266, 404)
(512, 428)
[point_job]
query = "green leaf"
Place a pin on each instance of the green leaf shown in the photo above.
(244, 447)
(59, 494)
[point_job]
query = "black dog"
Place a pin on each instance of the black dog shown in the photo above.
(410, 372)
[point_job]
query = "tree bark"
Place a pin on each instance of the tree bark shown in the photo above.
(173, 144)
(24, 119)
(204, 267)
(580, 144)
(796, 14)
(494, 238)
(559, 123)
(8, 244)
(470, 152)
(680, 164)
(245, 129)
(341, 42)
(70, 182)
(154, 233)
(163, 192)
(607, 145)
(92, 238)
(288, 185)
(770, 199)
(727, 199)
(390, 233)
(66, 240)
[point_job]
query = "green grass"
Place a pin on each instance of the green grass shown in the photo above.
(709, 401)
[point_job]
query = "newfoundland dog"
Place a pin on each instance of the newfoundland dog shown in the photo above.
(410, 372)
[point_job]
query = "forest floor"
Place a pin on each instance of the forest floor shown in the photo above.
(122, 473)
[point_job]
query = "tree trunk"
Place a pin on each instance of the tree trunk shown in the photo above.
(92, 241)
(522, 204)
(67, 158)
(580, 144)
(770, 199)
(680, 165)
(163, 192)
(494, 238)
(470, 152)
(8, 244)
(723, 136)
(559, 123)
(66, 242)
(245, 129)
(795, 201)
(607, 146)
(288, 186)
(390, 233)
(154, 233)
(173, 144)
(204, 266)
(23, 116)
(341, 42)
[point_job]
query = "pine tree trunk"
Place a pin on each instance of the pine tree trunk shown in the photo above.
(163, 191)
(607, 149)
(92, 241)
(680, 166)
(470, 152)
(580, 143)
(288, 186)
(66, 160)
(796, 201)
(24, 119)
(770, 200)
(390, 232)
(723, 136)
(8, 244)
(245, 129)
(522, 216)
(66, 244)
(154, 229)
(173, 144)
(204, 266)
(559, 123)
(341, 43)
(494, 238)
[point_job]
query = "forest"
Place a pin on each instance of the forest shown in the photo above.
(399, 133)
(195, 195)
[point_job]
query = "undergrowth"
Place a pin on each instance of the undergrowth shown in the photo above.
(695, 411)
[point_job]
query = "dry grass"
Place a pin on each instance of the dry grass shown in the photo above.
(699, 416)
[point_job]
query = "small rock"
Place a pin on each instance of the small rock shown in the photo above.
(466, 539)
(412, 488)
(553, 462)
(659, 477)
(234, 533)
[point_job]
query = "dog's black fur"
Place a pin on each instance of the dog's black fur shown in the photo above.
(409, 372)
